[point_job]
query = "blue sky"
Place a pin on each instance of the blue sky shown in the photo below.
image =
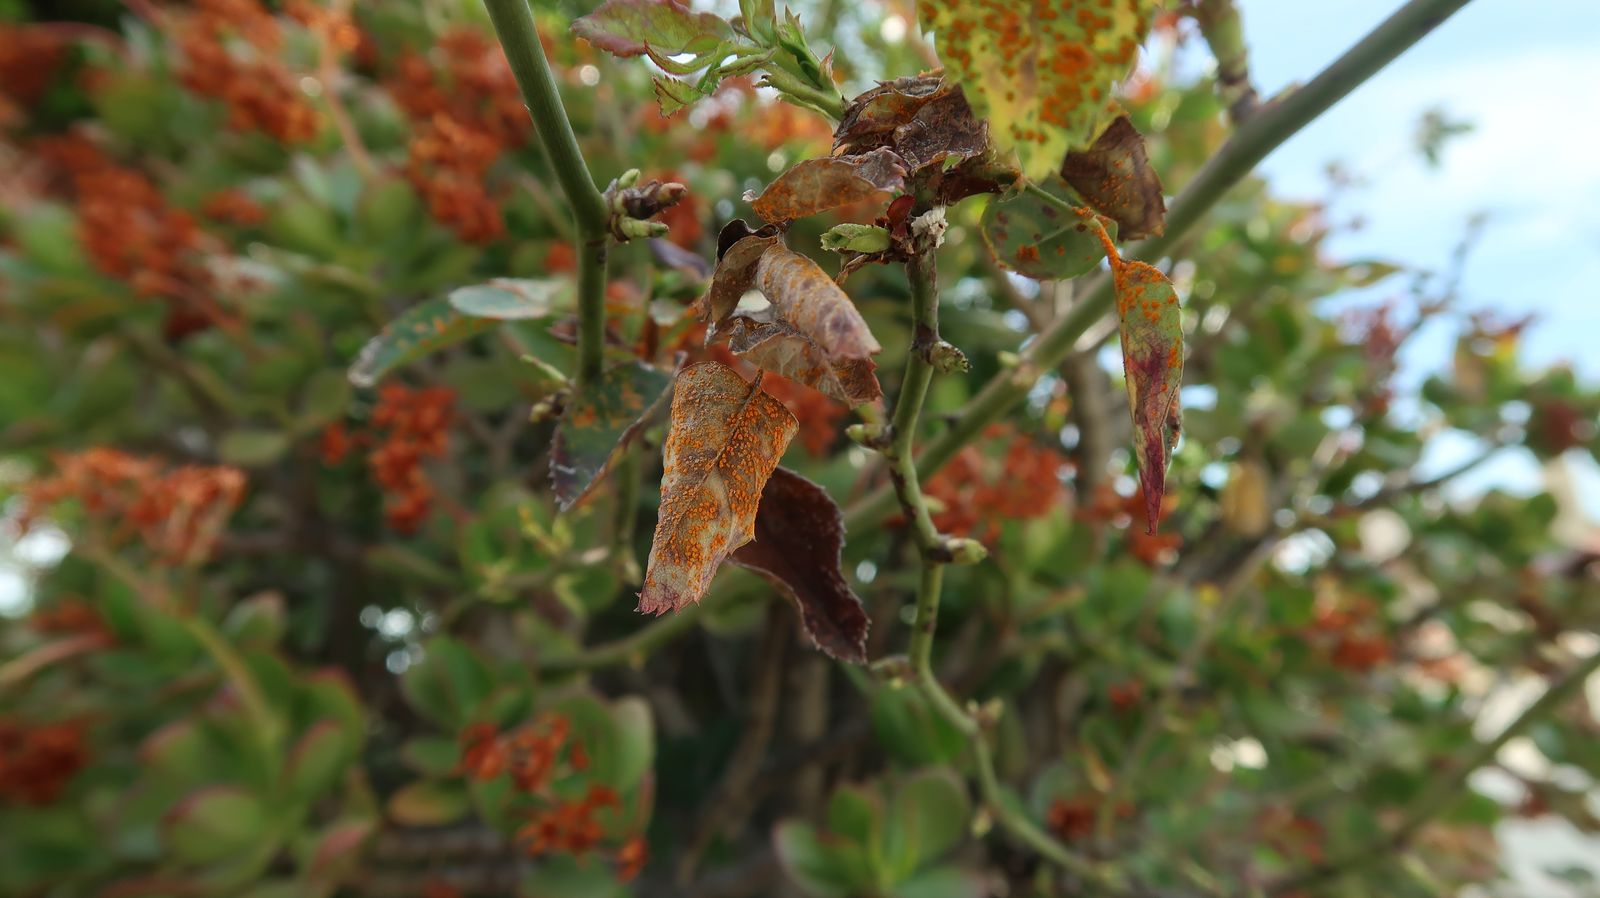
(1526, 74)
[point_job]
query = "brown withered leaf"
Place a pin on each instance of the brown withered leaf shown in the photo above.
(735, 274)
(943, 129)
(870, 119)
(804, 296)
(817, 185)
(772, 343)
(726, 438)
(799, 538)
(1115, 178)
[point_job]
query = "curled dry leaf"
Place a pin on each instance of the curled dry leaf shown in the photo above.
(817, 185)
(599, 420)
(798, 541)
(805, 297)
(738, 251)
(727, 436)
(669, 27)
(1040, 73)
(773, 344)
(1151, 326)
(1115, 178)
(923, 119)
(1039, 239)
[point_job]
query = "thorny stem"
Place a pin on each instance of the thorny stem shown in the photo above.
(1444, 788)
(513, 23)
(1273, 124)
(923, 276)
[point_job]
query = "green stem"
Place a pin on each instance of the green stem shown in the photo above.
(637, 645)
(923, 276)
(1253, 141)
(1443, 789)
(829, 104)
(513, 23)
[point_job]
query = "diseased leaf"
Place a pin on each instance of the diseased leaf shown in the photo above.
(512, 299)
(599, 420)
(1152, 362)
(1041, 73)
(727, 436)
(670, 27)
(770, 342)
(817, 185)
(923, 119)
(423, 329)
(1115, 178)
(1035, 238)
(805, 297)
(798, 539)
(738, 251)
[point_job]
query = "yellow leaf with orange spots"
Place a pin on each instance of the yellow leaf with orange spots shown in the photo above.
(1040, 71)
(727, 436)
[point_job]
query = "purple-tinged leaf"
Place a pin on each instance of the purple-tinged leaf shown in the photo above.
(1151, 326)
(625, 27)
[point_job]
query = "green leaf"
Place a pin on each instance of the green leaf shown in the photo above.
(562, 876)
(857, 814)
(1041, 73)
(1151, 325)
(214, 824)
(257, 622)
(598, 423)
(943, 882)
(630, 27)
(317, 760)
(448, 684)
(512, 299)
(1036, 238)
(822, 866)
(337, 852)
(324, 399)
(422, 330)
(928, 814)
(431, 755)
(252, 448)
(429, 803)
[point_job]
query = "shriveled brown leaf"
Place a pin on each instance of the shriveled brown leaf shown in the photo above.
(775, 345)
(817, 185)
(803, 295)
(870, 119)
(735, 273)
(727, 436)
(799, 538)
(1115, 178)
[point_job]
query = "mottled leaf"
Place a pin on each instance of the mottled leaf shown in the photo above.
(424, 329)
(727, 436)
(799, 535)
(768, 341)
(1033, 237)
(512, 299)
(1115, 178)
(1152, 362)
(817, 185)
(670, 27)
(805, 297)
(1041, 73)
(870, 119)
(738, 251)
(942, 132)
(599, 420)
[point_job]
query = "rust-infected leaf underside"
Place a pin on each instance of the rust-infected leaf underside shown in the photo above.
(727, 436)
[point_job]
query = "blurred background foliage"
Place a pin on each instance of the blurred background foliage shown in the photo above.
(286, 636)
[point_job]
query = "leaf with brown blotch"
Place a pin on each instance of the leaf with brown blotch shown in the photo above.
(669, 27)
(1115, 178)
(942, 130)
(805, 297)
(1151, 326)
(735, 274)
(726, 438)
(817, 185)
(799, 538)
(773, 344)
